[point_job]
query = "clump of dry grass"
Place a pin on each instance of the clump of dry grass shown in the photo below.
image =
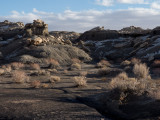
(141, 71)
(80, 81)
(76, 66)
(83, 73)
(65, 71)
(75, 60)
(2, 71)
(103, 63)
(104, 79)
(35, 66)
(53, 70)
(54, 79)
(103, 71)
(135, 61)
(53, 63)
(122, 81)
(17, 65)
(35, 84)
(7, 68)
(20, 76)
(45, 85)
(125, 63)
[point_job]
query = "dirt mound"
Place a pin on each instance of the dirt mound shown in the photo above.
(62, 53)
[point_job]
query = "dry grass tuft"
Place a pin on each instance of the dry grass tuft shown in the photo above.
(83, 73)
(35, 84)
(53, 70)
(20, 76)
(17, 65)
(122, 81)
(45, 85)
(53, 63)
(141, 71)
(54, 79)
(2, 71)
(80, 81)
(103, 63)
(65, 71)
(75, 60)
(35, 66)
(126, 63)
(103, 71)
(76, 66)
(135, 61)
(104, 79)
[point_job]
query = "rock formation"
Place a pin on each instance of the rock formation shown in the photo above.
(10, 29)
(38, 27)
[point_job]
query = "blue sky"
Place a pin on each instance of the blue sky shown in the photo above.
(81, 15)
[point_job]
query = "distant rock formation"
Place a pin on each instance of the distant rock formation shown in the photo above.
(133, 31)
(98, 33)
(10, 29)
(38, 27)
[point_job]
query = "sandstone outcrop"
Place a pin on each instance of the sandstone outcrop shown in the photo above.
(38, 27)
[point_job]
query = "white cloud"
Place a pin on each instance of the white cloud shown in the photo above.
(155, 5)
(133, 1)
(105, 2)
(85, 20)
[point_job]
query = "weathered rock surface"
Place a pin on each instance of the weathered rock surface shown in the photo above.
(64, 35)
(10, 29)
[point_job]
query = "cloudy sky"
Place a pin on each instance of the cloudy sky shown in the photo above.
(82, 15)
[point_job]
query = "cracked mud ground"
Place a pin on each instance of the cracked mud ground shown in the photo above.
(19, 102)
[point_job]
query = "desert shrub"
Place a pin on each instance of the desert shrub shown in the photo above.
(8, 69)
(141, 71)
(135, 61)
(80, 81)
(20, 76)
(45, 85)
(76, 66)
(102, 72)
(35, 84)
(123, 83)
(123, 76)
(35, 66)
(76, 60)
(53, 63)
(65, 71)
(2, 71)
(54, 79)
(125, 63)
(104, 79)
(103, 63)
(53, 70)
(17, 65)
(83, 73)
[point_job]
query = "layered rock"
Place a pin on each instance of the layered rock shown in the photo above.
(98, 34)
(38, 27)
(133, 31)
(10, 29)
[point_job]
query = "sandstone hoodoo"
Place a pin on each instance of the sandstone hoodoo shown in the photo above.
(38, 27)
